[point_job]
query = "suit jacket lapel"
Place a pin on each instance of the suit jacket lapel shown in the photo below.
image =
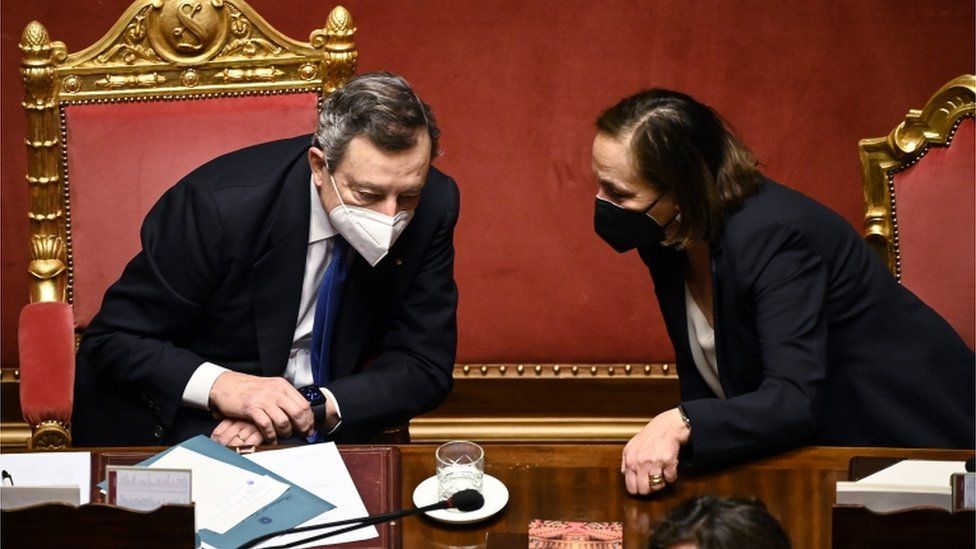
(276, 279)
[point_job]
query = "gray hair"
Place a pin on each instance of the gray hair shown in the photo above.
(378, 105)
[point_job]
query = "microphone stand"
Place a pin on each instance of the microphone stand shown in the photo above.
(356, 523)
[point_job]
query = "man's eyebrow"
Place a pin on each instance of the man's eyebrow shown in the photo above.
(366, 186)
(378, 189)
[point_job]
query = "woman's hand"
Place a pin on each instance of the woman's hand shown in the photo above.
(237, 432)
(650, 459)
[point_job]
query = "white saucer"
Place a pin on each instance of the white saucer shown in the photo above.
(495, 492)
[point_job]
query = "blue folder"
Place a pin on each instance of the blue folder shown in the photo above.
(292, 508)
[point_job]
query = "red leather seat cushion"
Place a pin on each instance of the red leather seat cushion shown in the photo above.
(47, 361)
(935, 207)
(123, 156)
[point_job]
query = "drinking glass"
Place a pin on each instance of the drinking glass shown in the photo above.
(460, 466)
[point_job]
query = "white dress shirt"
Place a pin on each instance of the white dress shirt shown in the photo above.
(701, 339)
(298, 371)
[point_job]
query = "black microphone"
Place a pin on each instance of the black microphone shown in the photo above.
(465, 500)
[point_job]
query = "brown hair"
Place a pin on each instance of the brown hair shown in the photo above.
(718, 523)
(685, 148)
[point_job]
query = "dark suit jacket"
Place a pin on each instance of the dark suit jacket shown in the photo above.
(815, 340)
(219, 279)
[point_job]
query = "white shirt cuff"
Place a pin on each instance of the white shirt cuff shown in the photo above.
(197, 391)
(328, 394)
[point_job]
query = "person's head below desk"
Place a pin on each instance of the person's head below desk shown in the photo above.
(270, 277)
(708, 522)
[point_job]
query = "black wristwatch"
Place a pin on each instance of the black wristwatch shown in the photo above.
(316, 399)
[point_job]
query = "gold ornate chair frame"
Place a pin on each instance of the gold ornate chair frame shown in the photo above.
(158, 50)
(883, 157)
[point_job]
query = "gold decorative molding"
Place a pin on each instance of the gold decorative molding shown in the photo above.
(14, 435)
(542, 430)
(155, 42)
(882, 157)
(564, 371)
(50, 435)
(46, 215)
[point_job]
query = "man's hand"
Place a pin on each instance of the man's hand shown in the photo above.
(237, 432)
(270, 403)
(650, 459)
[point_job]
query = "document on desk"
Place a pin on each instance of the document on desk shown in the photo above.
(906, 484)
(50, 469)
(319, 469)
(224, 495)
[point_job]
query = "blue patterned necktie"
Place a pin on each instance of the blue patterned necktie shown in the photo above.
(326, 308)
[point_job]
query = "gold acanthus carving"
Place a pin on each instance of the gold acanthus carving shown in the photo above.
(263, 74)
(247, 42)
(133, 47)
(47, 267)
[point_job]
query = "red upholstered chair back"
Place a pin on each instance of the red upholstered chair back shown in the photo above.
(936, 215)
(922, 209)
(113, 126)
(123, 156)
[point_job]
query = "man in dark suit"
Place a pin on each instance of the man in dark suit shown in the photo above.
(299, 288)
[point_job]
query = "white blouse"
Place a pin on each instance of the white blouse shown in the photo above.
(701, 339)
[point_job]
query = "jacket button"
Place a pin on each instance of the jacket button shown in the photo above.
(159, 432)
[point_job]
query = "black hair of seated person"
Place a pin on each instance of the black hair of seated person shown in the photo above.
(709, 522)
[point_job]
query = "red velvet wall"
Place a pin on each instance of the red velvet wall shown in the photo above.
(516, 86)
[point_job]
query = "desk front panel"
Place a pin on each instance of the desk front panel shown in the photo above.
(583, 482)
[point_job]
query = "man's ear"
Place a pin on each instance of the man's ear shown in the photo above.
(316, 161)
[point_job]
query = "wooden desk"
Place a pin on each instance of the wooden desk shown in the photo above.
(583, 482)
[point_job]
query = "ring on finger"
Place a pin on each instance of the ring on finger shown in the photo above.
(655, 479)
(244, 440)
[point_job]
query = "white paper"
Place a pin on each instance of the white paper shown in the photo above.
(906, 484)
(319, 469)
(224, 494)
(50, 469)
(146, 488)
(933, 475)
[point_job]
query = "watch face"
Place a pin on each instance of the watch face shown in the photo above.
(312, 394)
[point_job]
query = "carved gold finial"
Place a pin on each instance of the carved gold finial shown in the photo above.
(340, 22)
(37, 46)
(35, 37)
(339, 48)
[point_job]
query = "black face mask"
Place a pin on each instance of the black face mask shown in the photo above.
(625, 229)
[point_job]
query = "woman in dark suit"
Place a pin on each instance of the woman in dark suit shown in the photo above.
(787, 329)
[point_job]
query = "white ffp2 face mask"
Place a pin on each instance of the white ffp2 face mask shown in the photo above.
(372, 234)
